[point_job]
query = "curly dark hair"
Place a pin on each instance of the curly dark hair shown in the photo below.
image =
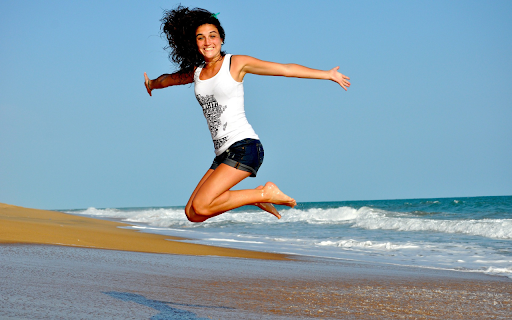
(179, 27)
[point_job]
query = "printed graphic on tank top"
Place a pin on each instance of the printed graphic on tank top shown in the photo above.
(212, 112)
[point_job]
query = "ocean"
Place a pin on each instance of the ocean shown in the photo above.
(464, 234)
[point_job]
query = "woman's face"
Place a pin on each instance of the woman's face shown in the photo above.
(208, 41)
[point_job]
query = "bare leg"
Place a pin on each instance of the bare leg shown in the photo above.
(192, 216)
(189, 211)
(269, 207)
(213, 196)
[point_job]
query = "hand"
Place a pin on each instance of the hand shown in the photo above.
(146, 83)
(342, 80)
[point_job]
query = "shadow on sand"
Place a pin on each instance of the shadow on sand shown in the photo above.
(166, 312)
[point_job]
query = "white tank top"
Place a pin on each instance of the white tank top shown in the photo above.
(222, 100)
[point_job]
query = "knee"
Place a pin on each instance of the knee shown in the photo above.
(200, 208)
(193, 216)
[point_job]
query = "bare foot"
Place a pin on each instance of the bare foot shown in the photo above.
(277, 196)
(269, 207)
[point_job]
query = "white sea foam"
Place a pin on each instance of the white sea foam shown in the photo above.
(165, 217)
(158, 217)
(369, 218)
(367, 244)
(111, 213)
(365, 217)
(321, 216)
(499, 271)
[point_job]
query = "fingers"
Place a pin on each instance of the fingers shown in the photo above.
(146, 83)
(339, 78)
(344, 84)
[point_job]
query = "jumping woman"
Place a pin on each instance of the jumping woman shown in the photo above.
(195, 39)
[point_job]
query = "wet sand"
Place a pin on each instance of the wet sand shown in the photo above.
(67, 282)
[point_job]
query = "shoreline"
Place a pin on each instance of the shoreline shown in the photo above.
(35, 226)
(47, 271)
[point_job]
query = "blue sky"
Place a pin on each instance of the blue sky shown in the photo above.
(429, 112)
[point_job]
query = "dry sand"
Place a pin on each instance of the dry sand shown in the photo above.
(23, 225)
(67, 282)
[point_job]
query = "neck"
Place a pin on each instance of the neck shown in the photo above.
(213, 61)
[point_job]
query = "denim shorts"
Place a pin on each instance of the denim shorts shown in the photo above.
(246, 155)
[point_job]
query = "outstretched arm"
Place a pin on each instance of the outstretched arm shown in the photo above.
(167, 80)
(241, 65)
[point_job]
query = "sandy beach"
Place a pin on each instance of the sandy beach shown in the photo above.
(55, 266)
(23, 225)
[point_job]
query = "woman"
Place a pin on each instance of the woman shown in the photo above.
(195, 39)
